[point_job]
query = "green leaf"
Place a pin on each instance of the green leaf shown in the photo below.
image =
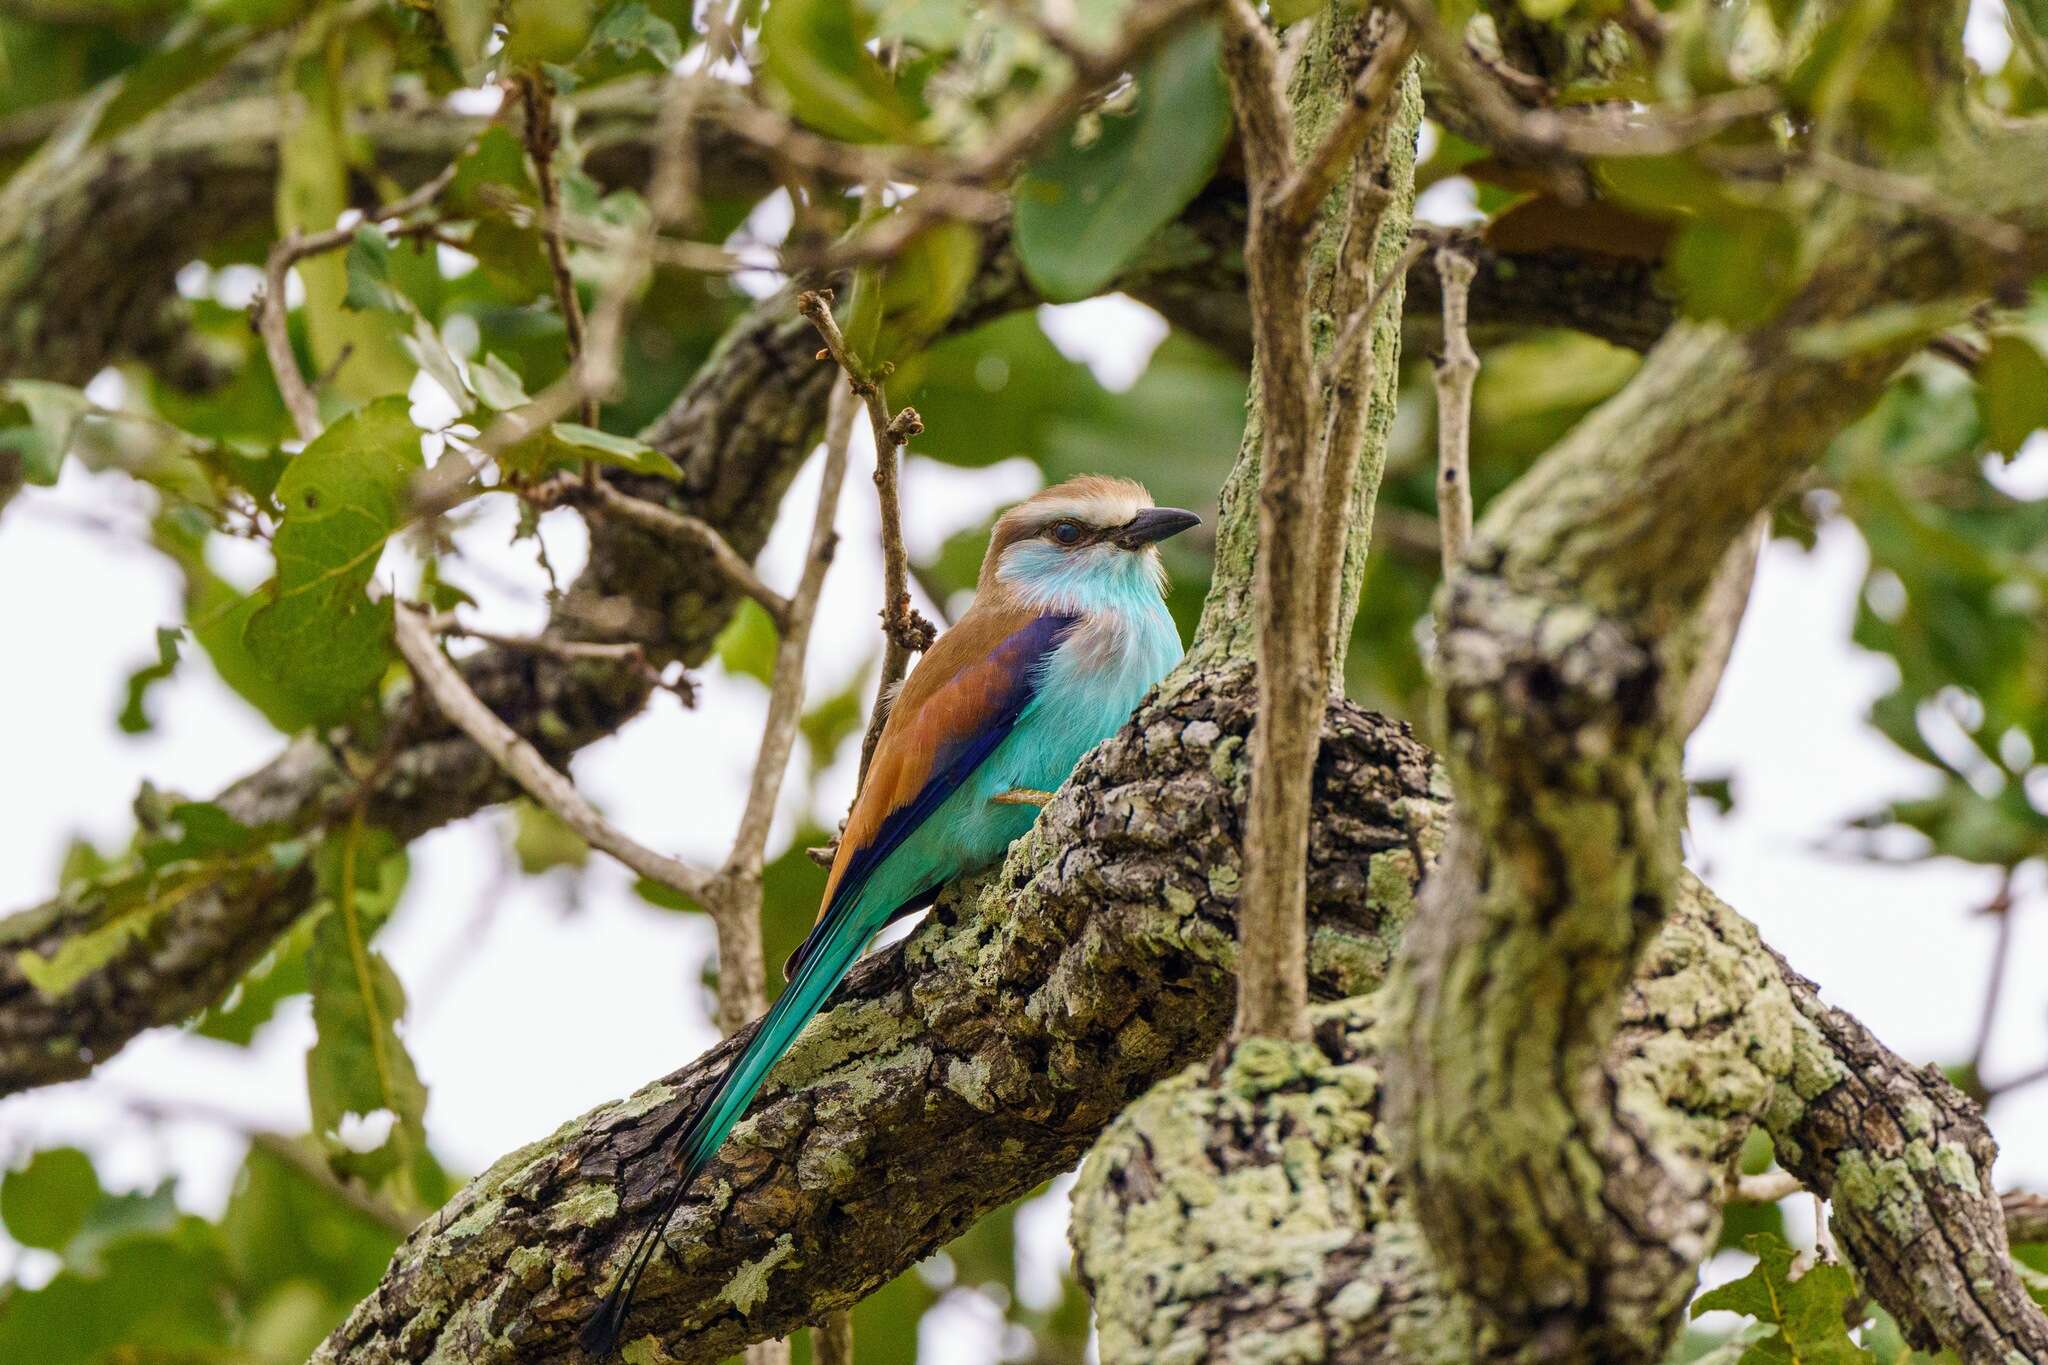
(253, 1000)
(541, 842)
(566, 445)
(358, 1064)
(317, 636)
(544, 31)
(165, 1292)
(52, 413)
(466, 24)
(497, 385)
(1807, 1311)
(747, 644)
(134, 720)
(45, 1203)
(632, 34)
(814, 52)
(1740, 270)
(368, 264)
(1086, 210)
(2012, 392)
(191, 52)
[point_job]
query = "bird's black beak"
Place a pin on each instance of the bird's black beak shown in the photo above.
(1153, 525)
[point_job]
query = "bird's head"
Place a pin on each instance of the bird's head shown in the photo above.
(1088, 543)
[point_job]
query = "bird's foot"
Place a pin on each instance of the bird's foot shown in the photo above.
(1023, 796)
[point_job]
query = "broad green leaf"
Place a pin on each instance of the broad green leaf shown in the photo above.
(542, 31)
(497, 385)
(49, 415)
(253, 1001)
(566, 445)
(45, 1203)
(747, 644)
(541, 842)
(1086, 210)
(192, 51)
(134, 720)
(490, 175)
(466, 24)
(358, 1064)
(165, 1292)
(1807, 1311)
(358, 349)
(629, 37)
(814, 52)
(2012, 392)
(368, 267)
(1739, 270)
(315, 633)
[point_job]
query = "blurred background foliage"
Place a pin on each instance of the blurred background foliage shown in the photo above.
(1954, 596)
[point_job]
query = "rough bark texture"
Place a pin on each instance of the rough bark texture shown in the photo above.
(953, 1074)
(1903, 1157)
(1260, 1214)
(961, 1068)
(1575, 1231)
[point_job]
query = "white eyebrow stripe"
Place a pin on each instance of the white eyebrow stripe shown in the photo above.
(1093, 511)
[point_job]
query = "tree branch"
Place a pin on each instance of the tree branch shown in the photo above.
(539, 779)
(1028, 1012)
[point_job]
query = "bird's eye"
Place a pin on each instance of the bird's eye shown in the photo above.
(1066, 532)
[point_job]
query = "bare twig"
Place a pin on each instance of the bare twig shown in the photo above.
(1583, 132)
(1456, 371)
(832, 1340)
(271, 324)
(606, 500)
(2000, 908)
(736, 899)
(904, 630)
(1022, 796)
(1872, 182)
(524, 764)
(543, 138)
(1272, 1000)
(1767, 1188)
(1302, 196)
(627, 652)
(1709, 637)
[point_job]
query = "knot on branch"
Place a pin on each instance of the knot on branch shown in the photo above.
(1545, 678)
(906, 625)
(904, 425)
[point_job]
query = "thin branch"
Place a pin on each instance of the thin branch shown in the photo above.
(543, 138)
(627, 652)
(271, 324)
(904, 630)
(1346, 381)
(1457, 369)
(1302, 196)
(2026, 1216)
(1709, 637)
(736, 900)
(524, 764)
(1272, 976)
(1767, 1188)
(2000, 908)
(1578, 132)
(832, 1340)
(606, 500)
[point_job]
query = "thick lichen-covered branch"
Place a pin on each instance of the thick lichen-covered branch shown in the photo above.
(957, 1071)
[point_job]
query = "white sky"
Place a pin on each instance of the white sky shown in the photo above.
(529, 1010)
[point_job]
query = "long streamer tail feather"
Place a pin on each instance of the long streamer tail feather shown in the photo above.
(721, 1111)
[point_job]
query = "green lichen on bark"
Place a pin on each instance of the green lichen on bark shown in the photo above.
(1256, 1214)
(1318, 89)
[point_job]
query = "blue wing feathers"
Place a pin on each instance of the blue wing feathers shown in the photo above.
(1024, 654)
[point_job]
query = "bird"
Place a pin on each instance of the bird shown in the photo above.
(1067, 633)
